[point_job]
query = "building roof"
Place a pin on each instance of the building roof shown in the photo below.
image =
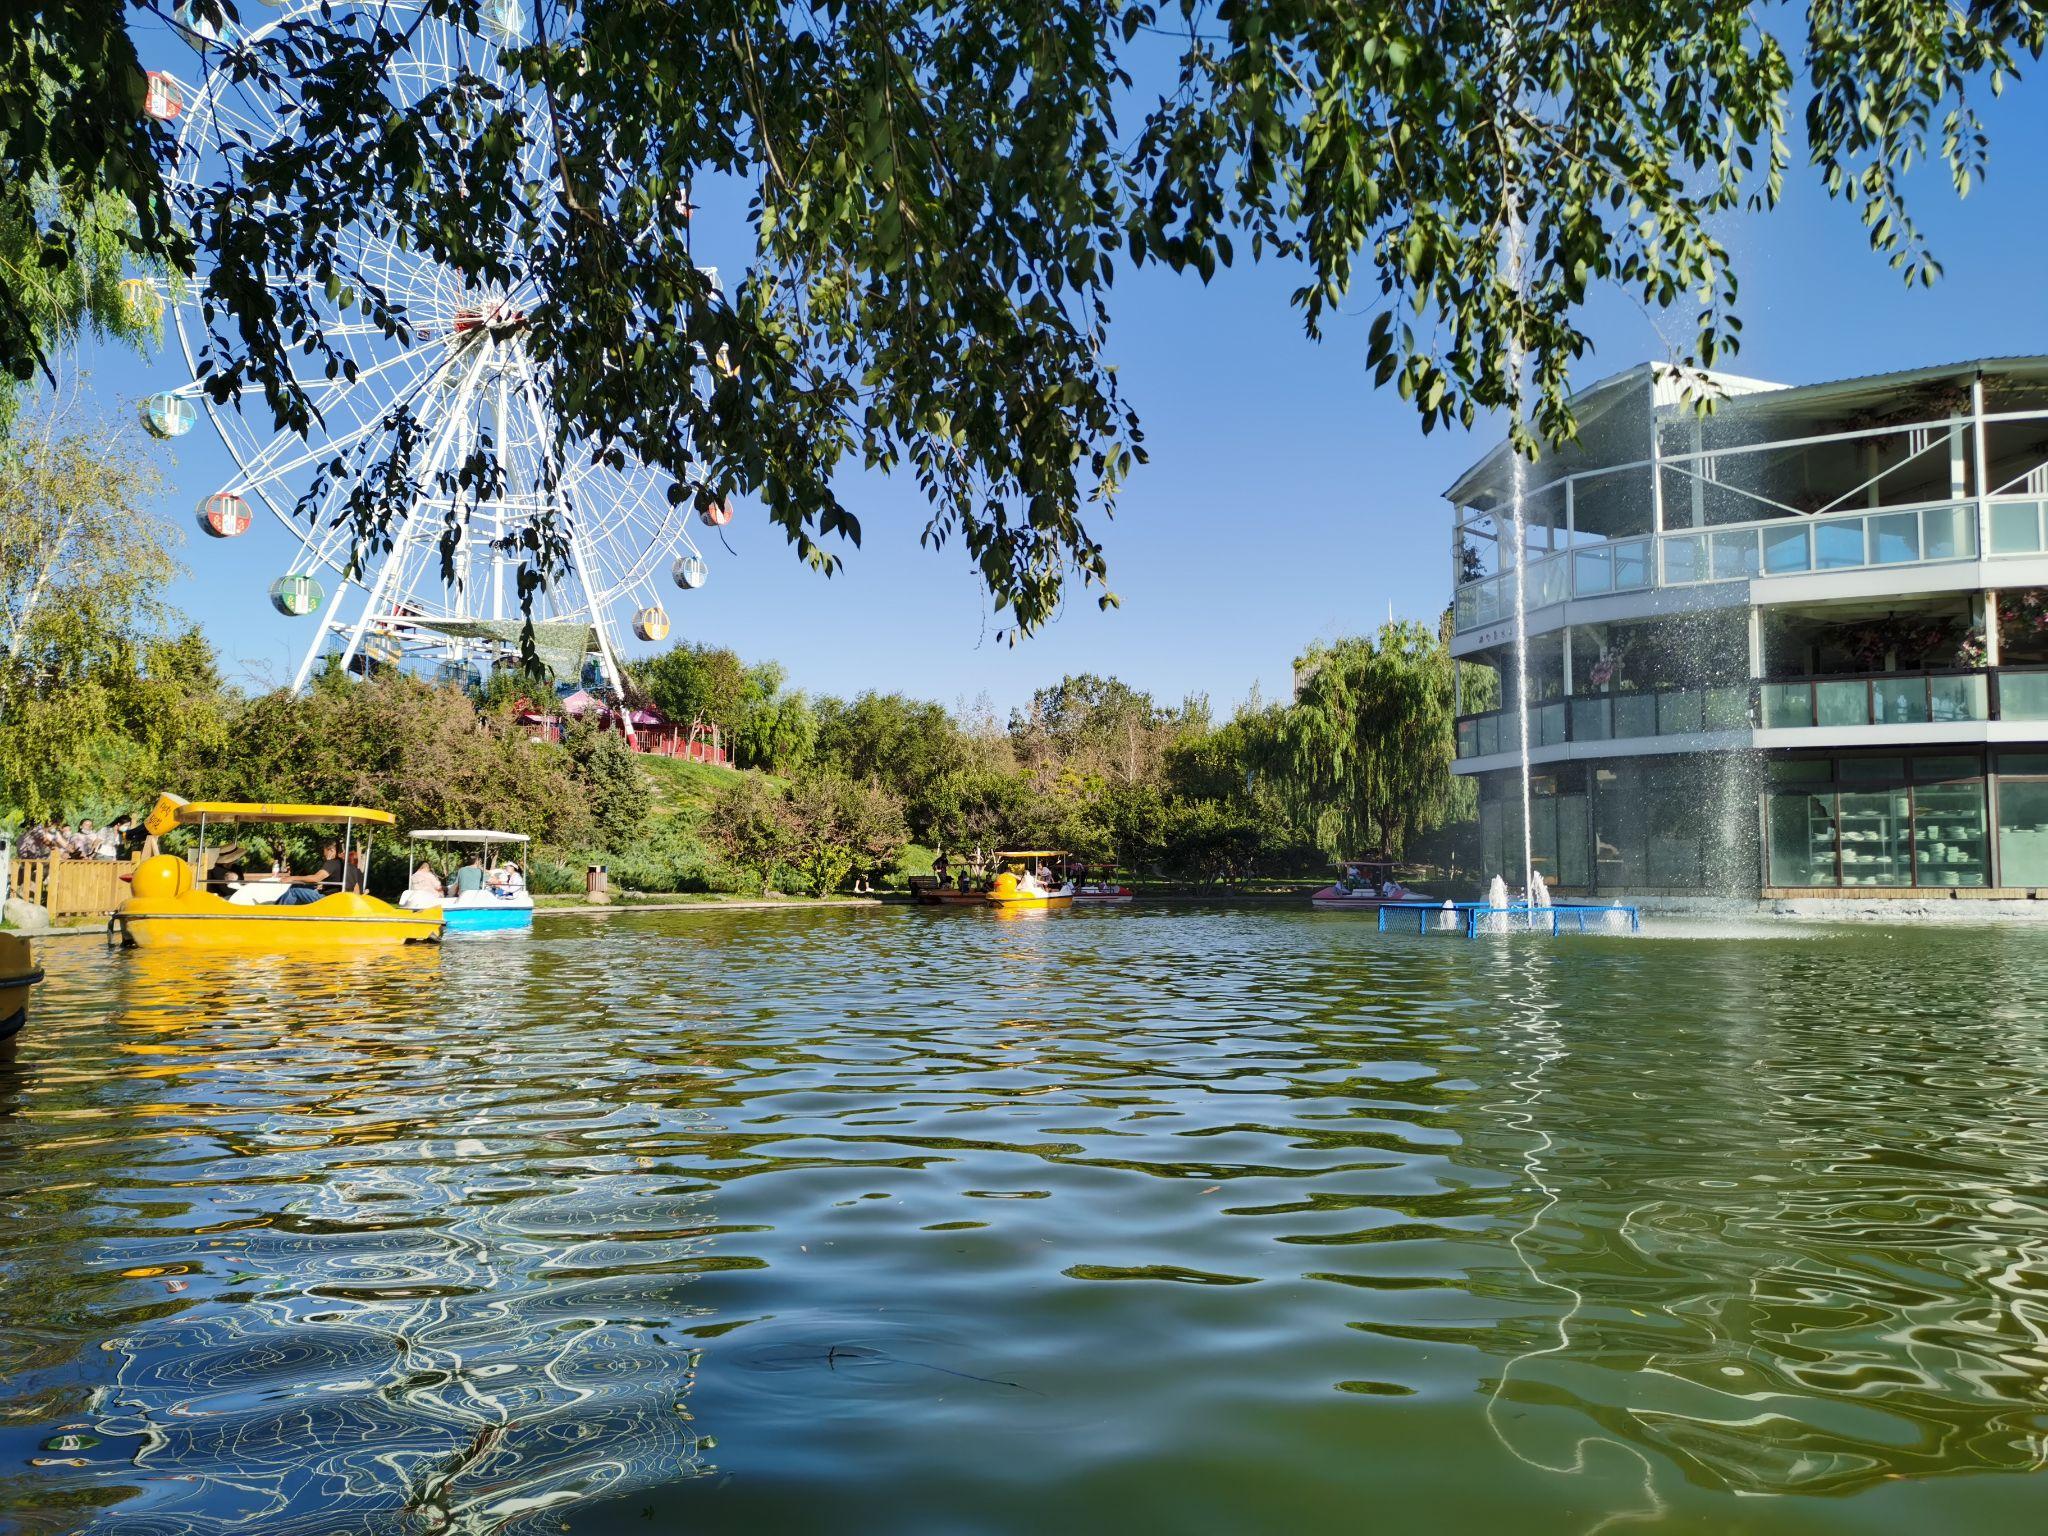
(1603, 396)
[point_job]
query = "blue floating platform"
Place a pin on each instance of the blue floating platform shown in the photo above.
(1472, 919)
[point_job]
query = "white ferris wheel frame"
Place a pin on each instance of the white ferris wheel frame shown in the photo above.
(462, 372)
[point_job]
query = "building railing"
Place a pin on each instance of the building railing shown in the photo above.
(1778, 546)
(1835, 699)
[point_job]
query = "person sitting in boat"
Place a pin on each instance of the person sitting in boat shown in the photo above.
(357, 876)
(424, 881)
(470, 877)
(505, 879)
(227, 872)
(300, 890)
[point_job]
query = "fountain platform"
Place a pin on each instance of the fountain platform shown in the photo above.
(1473, 919)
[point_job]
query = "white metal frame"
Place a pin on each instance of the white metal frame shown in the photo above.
(468, 370)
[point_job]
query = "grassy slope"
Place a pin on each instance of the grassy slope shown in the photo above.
(679, 786)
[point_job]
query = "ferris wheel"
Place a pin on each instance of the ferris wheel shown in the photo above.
(445, 596)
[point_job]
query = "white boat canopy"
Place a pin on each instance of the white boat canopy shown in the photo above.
(468, 835)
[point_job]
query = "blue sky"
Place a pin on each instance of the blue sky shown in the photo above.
(1287, 500)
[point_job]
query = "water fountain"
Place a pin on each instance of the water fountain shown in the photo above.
(1514, 260)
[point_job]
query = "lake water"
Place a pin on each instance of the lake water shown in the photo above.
(903, 1221)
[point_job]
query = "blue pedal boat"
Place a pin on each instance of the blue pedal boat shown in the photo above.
(486, 892)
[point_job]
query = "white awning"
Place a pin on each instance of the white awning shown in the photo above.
(469, 835)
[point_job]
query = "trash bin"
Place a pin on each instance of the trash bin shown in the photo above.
(596, 884)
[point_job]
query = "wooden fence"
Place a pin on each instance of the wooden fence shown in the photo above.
(71, 888)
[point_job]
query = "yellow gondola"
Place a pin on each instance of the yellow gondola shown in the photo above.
(168, 909)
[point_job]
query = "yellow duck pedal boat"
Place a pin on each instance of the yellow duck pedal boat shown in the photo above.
(1020, 889)
(167, 910)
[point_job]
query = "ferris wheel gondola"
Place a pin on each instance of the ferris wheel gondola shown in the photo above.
(446, 594)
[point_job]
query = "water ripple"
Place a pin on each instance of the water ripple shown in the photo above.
(508, 1238)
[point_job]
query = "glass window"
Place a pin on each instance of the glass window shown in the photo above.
(1735, 555)
(1785, 550)
(1490, 843)
(1949, 533)
(1802, 770)
(1467, 740)
(1591, 720)
(1959, 698)
(1788, 704)
(1548, 726)
(1948, 834)
(1619, 828)
(2023, 762)
(1593, 571)
(1838, 545)
(2023, 832)
(1727, 709)
(1678, 712)
(1894, 538)
(1685, 559)
(1843, 703)
(2015, 527)
(2023, 695)
(1635, 714)
(1632, 566)
(1543, 837)
(1876, 837)
(1872, 770)
(1900, 699)
(1573, 842)
(1925, 768)
(1675, 828)
(1802, 838)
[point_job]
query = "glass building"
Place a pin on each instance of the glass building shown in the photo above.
(1795, 644)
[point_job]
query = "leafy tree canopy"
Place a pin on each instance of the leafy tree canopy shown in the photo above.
(941, 196)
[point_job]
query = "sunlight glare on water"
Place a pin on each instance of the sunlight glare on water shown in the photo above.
(913, 1221)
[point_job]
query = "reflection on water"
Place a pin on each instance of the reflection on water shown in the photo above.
(930, 1221)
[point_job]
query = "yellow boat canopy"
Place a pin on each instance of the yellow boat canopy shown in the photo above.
(175, 811)
(1031, 853)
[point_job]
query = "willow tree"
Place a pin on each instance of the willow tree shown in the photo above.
(55, 303)
(1366, 749)
(941, 193)
(84, 633)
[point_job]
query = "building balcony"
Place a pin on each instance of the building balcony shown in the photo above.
(2005, 703)
(1937, 534)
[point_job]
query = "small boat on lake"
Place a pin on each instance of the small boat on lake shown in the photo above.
(1025, 881)
(1099, 888)
(495, 900)
(1030, 881)
(18, 973)
(932, 892)
(1365, 885)
(328, 909)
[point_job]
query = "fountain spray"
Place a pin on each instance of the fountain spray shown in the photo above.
(1513, 260)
